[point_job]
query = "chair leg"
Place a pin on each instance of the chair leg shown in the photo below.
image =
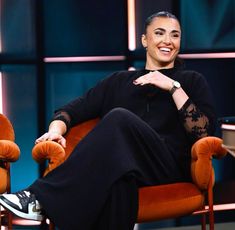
(5, 219)
(47, 224)
(8, 189)
(210, 203)
(203, 221)
(9, 220)
(0, 218)
(211, 218)
(51, 226)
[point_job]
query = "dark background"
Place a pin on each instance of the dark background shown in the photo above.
(31, 30)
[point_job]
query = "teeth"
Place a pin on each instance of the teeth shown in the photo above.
(165, 49)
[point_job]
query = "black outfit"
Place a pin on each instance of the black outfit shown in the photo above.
(142, 139)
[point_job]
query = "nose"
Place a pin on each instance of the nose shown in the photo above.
(167, 39)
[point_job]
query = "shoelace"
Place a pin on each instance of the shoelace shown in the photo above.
(25, 199)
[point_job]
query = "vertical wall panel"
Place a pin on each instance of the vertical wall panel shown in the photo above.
(20, 96)
(19, 83)
(208, 25)
(83, 28)
(17, 28)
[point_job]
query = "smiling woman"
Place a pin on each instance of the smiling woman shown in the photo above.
(148, 121)
(161, 40)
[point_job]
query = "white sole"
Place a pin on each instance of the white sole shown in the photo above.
(21, 214)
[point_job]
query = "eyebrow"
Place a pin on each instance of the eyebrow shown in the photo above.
(173, 31)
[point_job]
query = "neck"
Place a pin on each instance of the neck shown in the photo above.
(156, 66)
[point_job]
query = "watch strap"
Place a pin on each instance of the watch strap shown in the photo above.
(172, 90)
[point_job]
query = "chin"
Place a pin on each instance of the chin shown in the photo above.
(166, 59)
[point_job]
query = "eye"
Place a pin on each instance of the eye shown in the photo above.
(159, 33)
(175, 35)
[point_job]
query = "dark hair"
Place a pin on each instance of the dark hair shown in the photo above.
(163, 14)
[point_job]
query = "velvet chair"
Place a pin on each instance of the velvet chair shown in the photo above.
(9, 152)
(162, 201)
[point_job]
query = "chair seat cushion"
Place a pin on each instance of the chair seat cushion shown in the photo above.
(168, 201)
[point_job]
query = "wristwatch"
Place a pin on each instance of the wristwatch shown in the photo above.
(176, 85)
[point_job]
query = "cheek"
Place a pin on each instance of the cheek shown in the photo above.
(153, 40)
(177, 44)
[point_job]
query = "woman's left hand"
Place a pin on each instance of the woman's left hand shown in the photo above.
(155, 78)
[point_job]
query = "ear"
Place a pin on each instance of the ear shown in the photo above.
(144, 40)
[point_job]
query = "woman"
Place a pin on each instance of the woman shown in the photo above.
(149, 120)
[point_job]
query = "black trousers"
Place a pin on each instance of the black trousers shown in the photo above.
(97, 186)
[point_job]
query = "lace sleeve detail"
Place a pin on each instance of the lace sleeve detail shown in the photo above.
(195, 122)
(63, 116)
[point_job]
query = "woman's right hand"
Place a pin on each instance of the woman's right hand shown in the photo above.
(52, 136)
(155, 78)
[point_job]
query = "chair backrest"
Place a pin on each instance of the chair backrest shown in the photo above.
(75, 134)
(6, 129)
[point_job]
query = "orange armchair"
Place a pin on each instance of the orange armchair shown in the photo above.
(9, 152)
(161, 201)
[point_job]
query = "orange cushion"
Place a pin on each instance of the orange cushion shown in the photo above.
(3, 180)
(6, 129)
(75, 134)
(51, 151)
(168, 201)
(202, 152)
(9, 151)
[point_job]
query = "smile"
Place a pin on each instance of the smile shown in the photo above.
(165, 49)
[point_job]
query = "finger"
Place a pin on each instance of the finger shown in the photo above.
(139, 81)
(53, 136)
(144, 81)
(42, 138)
(62, 142)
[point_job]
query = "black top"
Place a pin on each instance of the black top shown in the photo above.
(153, 105)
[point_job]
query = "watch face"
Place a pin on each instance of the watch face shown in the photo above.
(176, 84)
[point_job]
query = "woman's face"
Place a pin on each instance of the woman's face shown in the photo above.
(162, 42)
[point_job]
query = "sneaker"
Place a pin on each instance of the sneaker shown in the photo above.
(22, 204)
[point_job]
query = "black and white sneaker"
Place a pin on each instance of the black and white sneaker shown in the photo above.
(22, 204)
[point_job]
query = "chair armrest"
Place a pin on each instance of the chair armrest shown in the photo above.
(7, 131)
(51, 151)
(9, 151)
(202, 153)
(3, 181)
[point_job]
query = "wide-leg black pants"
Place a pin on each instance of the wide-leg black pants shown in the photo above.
(97, 186)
